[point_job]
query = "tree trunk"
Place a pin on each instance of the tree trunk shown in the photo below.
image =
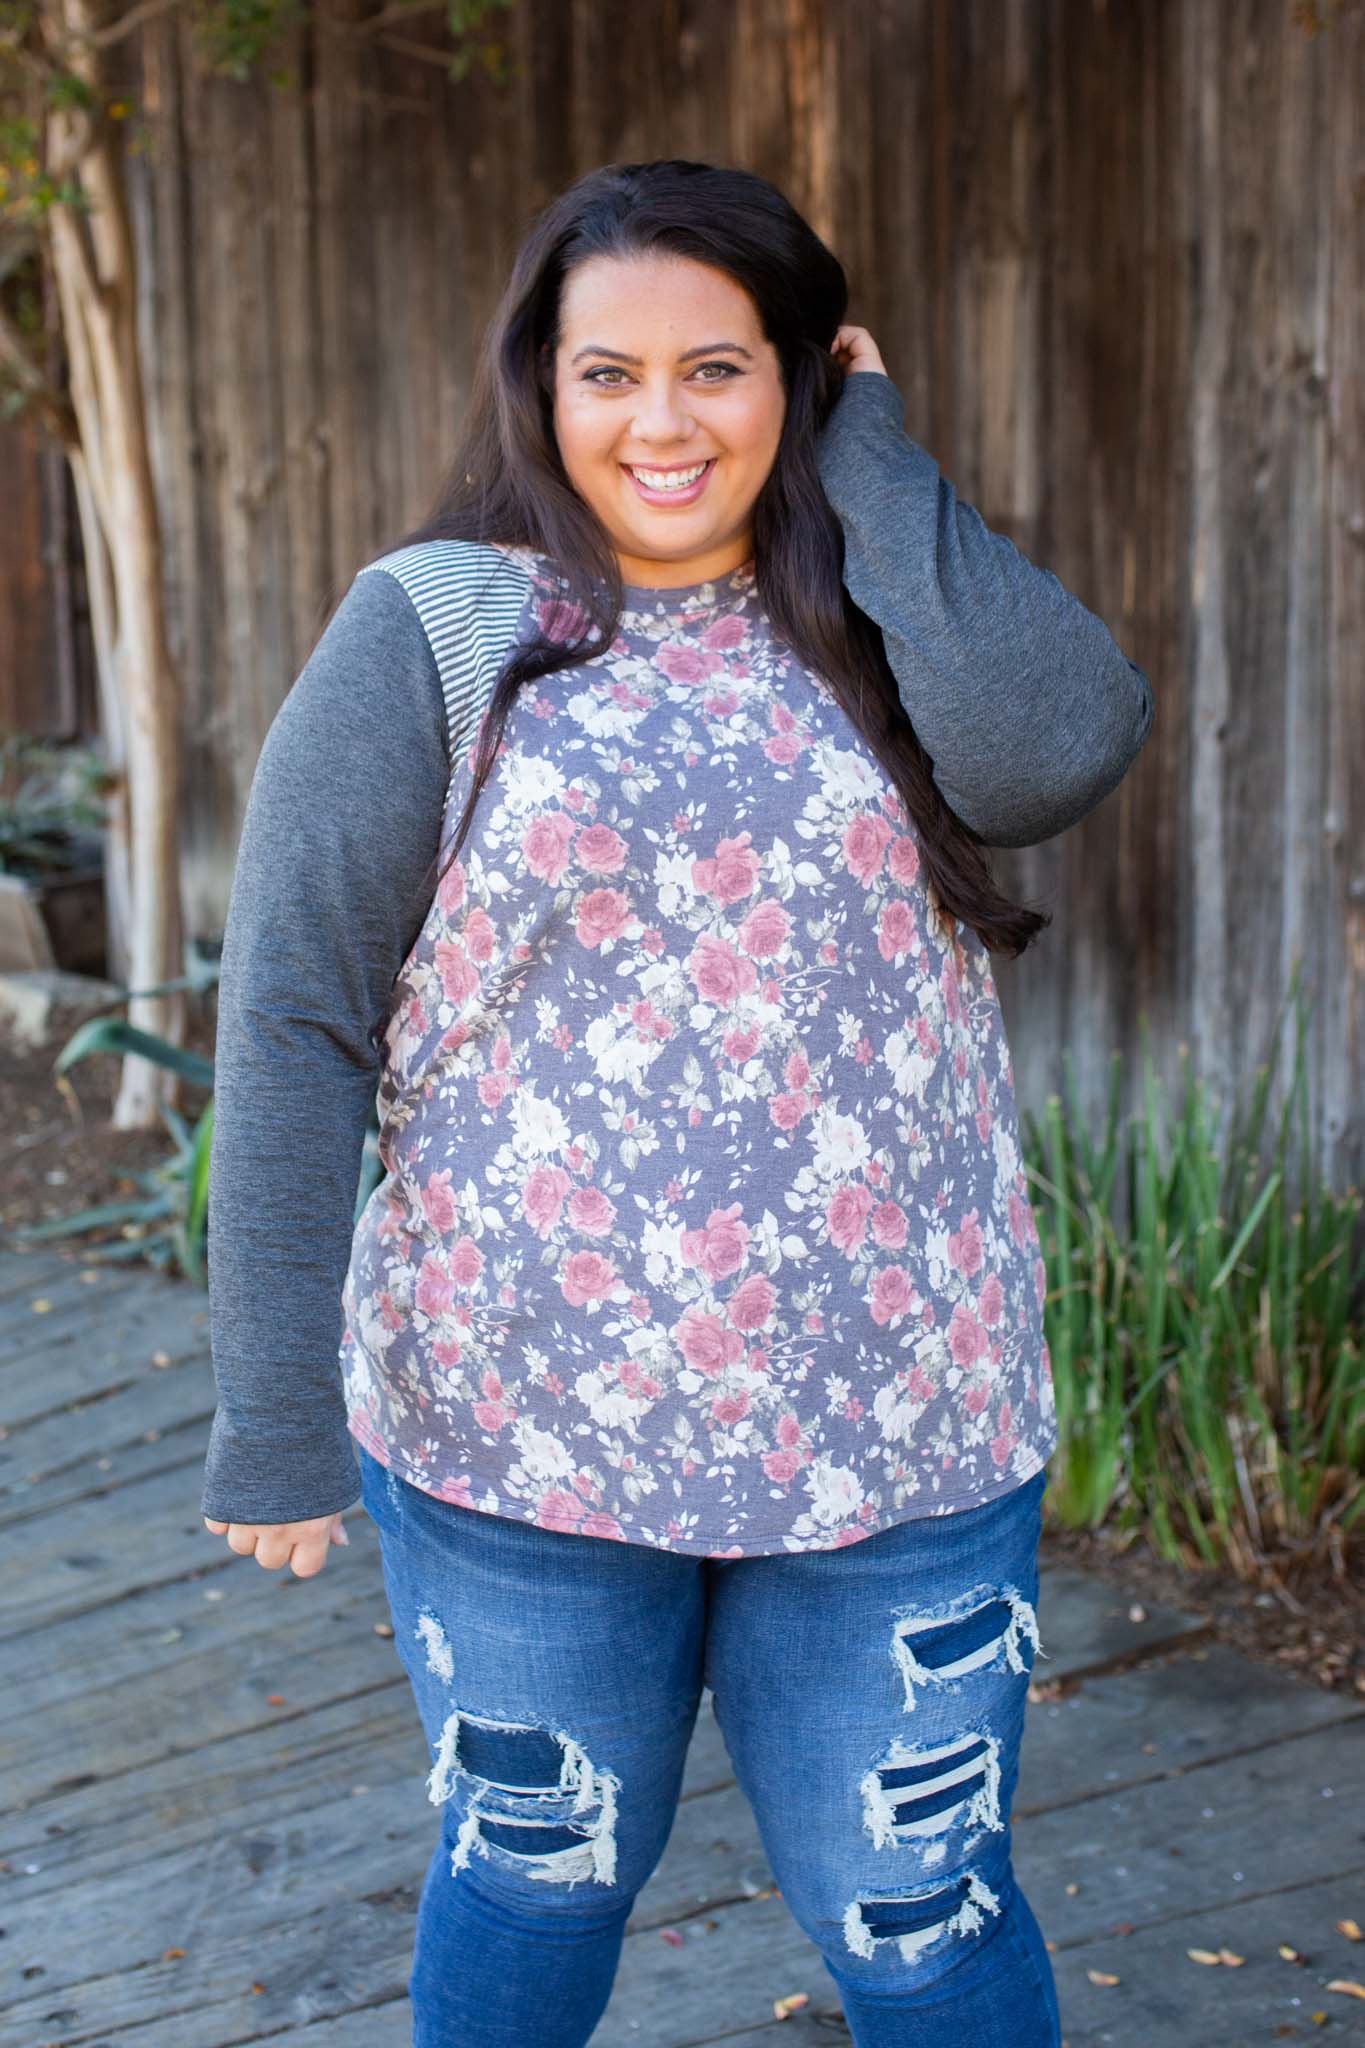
(93, 263)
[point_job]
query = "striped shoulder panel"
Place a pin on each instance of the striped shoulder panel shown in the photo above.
(469, 596)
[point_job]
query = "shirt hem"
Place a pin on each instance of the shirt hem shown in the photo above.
(774, 1545)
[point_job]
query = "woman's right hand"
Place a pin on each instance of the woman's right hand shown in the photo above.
(303, 1546)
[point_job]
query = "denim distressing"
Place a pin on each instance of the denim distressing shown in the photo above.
(871, 1698)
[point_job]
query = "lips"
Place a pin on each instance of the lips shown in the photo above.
(684, 494)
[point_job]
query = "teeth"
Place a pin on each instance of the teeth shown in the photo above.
(668, 479)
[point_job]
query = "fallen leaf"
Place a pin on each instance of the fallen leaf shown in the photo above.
(671, 1936)
(1203, 1955)
(1348, 1985)
(1233, 1961)
(274, 1699)
(168, 1955)
(383, 1628)
(161, 1359)
(782, 2007)
(1137, 1612)
(1101, 1977)
(258, 1987)
(1291, 1955)
(1072, 1890)
(40, 1308)
(1351, 1929)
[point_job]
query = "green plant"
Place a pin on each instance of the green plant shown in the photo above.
(167, 1225)
(52, 794)
(1206, 1362)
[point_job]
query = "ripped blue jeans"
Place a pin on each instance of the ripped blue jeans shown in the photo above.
(871, 1699)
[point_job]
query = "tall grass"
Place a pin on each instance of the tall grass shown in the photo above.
(1206, 1350)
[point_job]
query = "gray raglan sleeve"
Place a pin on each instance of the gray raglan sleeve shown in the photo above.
(1029, 711)
(331, 886)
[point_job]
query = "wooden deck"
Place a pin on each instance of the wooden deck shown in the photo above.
(189, 1865)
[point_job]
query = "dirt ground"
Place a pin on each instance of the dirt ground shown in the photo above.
(61, 1154)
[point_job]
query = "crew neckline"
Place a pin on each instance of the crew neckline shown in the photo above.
(712, 594)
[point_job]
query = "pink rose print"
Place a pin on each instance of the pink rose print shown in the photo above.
(450, 892)
(976, 1397)
(731, 873)
(724, 633)
(902, 862)
(895, 929)
(492, 1413)
(545, 845)
(990, 1303)
(706, 1344)
(600, 850)
(559, 1509)
(892, 1294)
(682, 664)
(435, 1289)
(846, 1216)
(480, 937)
(602, 914)
(889, 1227)
(591, 1211)
(752, 1303)
(561, 619)
(730, 1408)
(719, 973)
(721, 1246)
(781, 1466)
(764, 931)
(459, 975)
(787, 1111)
(741, 1045)
(783, 748)
(966, 1245)
(952, 993)
(466, 1262)
(586, 1276)
(438, 1203)
(864, 843)
(967, 1340)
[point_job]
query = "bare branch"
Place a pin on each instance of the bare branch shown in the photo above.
(52, 406)
(146, 10)
(387, 18)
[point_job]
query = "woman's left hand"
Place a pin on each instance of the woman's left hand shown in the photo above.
(854, 349)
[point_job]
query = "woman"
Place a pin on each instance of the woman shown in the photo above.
(626, 827)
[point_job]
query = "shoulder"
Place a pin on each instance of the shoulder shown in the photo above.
(469, 597)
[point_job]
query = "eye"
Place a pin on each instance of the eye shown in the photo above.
(605, 370)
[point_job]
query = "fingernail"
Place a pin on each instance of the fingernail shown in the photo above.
(342, 1537)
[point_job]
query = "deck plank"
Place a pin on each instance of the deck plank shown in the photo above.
(158, 1800)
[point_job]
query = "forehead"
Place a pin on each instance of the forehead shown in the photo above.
(652, 302)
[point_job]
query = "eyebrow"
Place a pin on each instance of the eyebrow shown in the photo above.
(711, 348)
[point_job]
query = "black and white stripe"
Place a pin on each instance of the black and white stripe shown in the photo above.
(470, 596)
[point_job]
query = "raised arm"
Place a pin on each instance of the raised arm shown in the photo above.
(331, 886)
(1029, 711)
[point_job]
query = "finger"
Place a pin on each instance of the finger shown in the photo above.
(240, 1539)
(308, 1559)
(215, 1528)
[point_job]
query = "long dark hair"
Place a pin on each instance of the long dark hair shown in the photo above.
(508, 485)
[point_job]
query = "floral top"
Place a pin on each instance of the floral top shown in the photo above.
(704, 1222)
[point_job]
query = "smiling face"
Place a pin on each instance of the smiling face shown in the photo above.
(662, 369)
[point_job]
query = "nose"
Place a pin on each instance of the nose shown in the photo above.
(662, 418)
